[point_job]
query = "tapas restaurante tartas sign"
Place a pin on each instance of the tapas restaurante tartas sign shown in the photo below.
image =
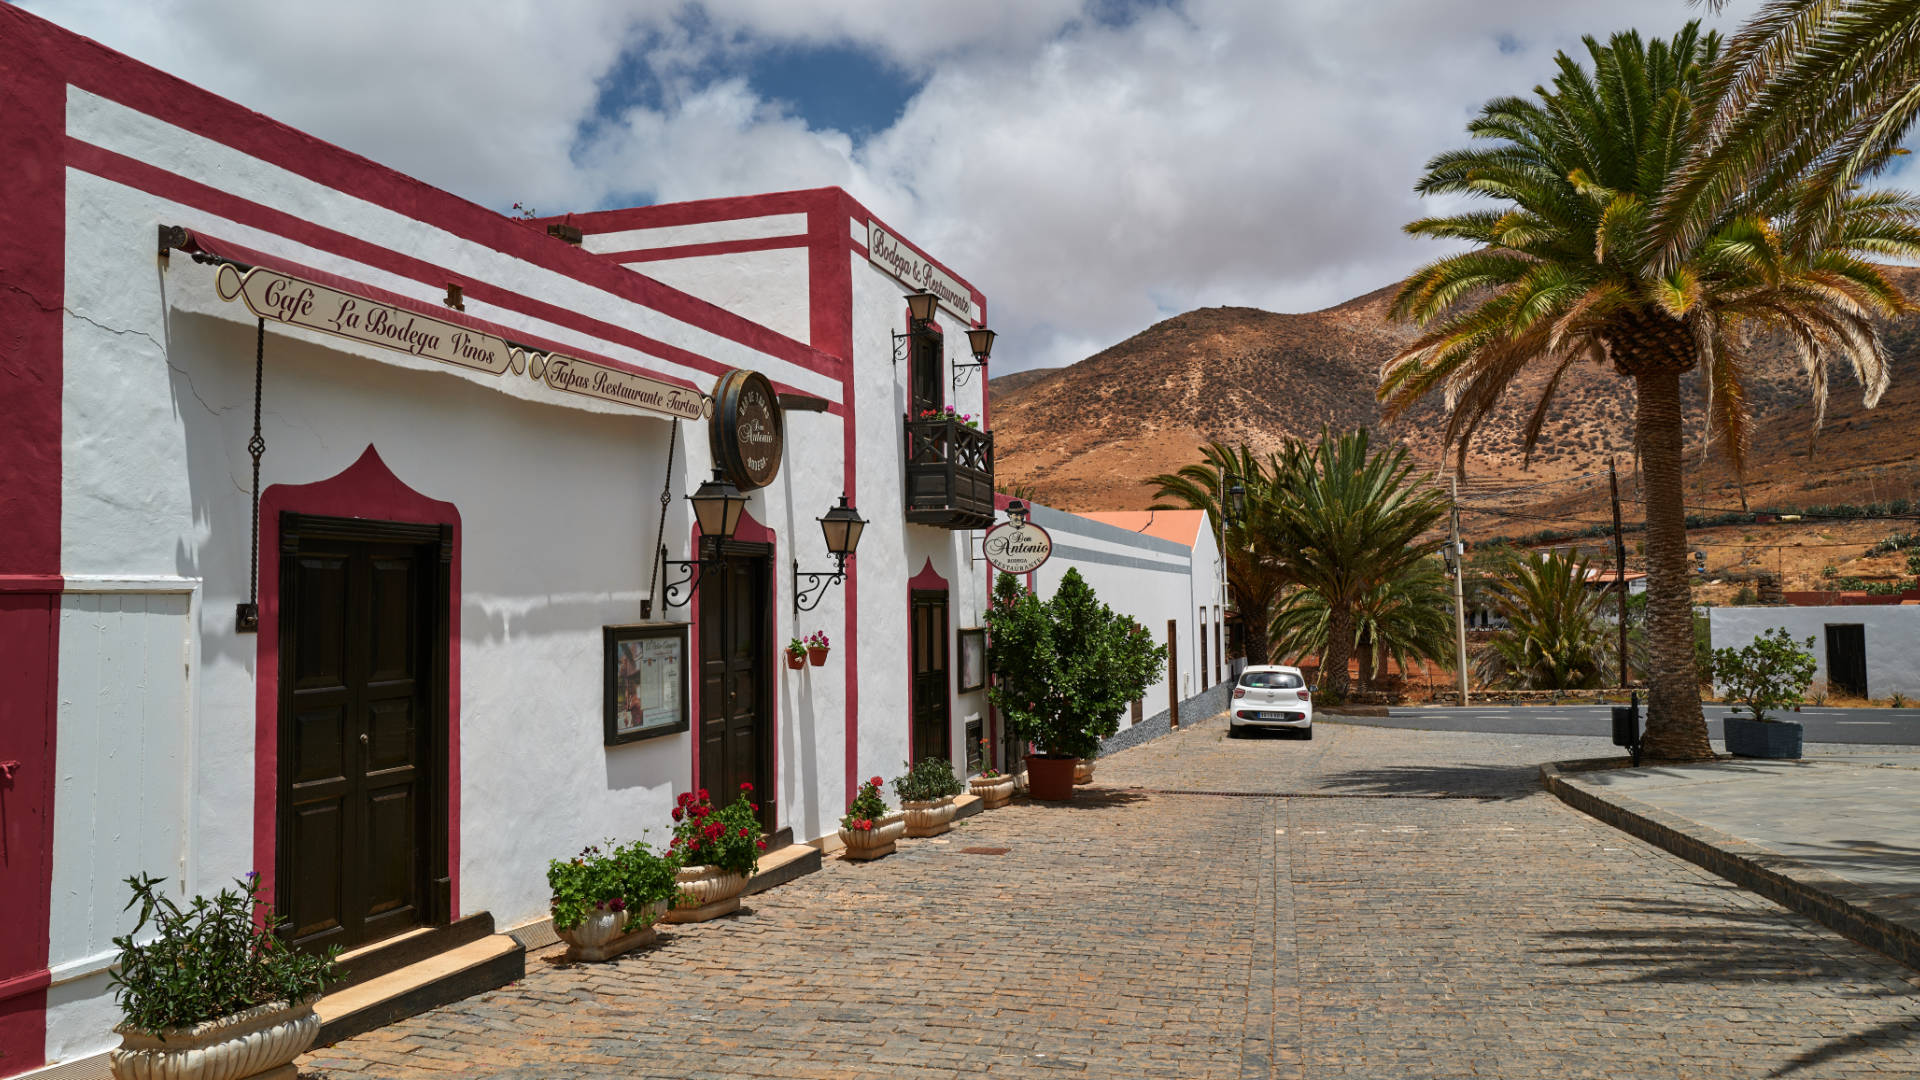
(271, 294)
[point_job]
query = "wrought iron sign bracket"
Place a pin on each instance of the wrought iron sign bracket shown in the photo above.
(675, 594)
(901, 344)
(809, 598)
(963, 373)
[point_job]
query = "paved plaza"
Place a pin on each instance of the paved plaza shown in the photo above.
(1370, 904)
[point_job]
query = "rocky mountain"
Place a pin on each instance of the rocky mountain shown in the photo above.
(1084, 436)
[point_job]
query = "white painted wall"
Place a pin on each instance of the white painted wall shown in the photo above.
(769, 287)
(1892, 633)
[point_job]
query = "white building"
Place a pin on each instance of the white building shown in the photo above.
(475, 437)
(1863, 650)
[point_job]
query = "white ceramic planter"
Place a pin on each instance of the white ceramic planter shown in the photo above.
(258, 1040)
(929, 818)
(706, 892)
(1083, 772)
(599, 936)
(872, 843)
(994, 791)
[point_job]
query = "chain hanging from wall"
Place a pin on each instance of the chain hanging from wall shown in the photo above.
(660, 546)
(247, 615)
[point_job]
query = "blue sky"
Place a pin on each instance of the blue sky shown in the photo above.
(1092, 165)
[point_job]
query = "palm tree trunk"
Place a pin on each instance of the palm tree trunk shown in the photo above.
(1676, 729)
(1253, 626)
(1333, 666)
(1366, 662)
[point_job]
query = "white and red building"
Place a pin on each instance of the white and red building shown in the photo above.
(475, 436)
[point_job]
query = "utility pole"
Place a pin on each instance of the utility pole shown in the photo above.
(1620, 568)
(1457, 558)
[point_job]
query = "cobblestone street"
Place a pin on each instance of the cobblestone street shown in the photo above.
(1417, 908)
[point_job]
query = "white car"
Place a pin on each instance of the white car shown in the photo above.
(1271, 696)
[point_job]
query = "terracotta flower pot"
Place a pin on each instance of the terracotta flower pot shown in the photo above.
(600, 935)
(1050, 778)
(994, 791)
(863, 844)
(247, 1043)
(706, 892)
(929, 818)
(1083, 771)
(796, 662)
(817, 657)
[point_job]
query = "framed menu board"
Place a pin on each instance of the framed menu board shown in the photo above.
(646, 666)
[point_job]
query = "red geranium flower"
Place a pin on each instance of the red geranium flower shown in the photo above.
(703, 795)
(875, 781)
(761, 844)
(678, 813)
(743, 830)
(746, 787)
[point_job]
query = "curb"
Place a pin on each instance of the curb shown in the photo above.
(1889, 927)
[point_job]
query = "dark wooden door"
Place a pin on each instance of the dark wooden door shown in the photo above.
(362, 696)
(736, 654)
(929, 379)
(932, 728)
(1847, 659)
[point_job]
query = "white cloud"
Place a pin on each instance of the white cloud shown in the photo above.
(1089, 177)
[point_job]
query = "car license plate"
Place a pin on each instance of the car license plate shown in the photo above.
(1276, 716)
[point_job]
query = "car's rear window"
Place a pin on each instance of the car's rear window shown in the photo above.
(1271, 680)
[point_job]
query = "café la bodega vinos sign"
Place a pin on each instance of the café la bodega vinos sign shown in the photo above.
(1018, 549)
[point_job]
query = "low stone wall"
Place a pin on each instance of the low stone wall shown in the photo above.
(1201, 706)
(1538, 697)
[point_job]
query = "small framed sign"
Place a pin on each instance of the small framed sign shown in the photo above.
(646, 666)
(973, 659)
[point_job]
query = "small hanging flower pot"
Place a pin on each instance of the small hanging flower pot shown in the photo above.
(796, 654)
(817, 648)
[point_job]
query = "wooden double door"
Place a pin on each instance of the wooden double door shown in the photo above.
(362, 825)
(736, 662)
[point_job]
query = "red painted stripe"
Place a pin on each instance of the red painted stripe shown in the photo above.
(716, 247)
(33, 271)
(27, 983)
(701, 211)
(120, 169)
(830, 281)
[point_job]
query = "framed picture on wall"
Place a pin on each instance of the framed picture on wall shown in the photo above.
(973, 659)
(646, 681)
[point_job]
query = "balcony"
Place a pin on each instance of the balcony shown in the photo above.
(949, 475)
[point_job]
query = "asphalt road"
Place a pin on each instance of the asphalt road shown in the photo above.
(1899, 727)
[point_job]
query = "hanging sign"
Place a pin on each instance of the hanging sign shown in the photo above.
(887, 252)
(748, 435)
(593, 380)
(270, 294)
(1018, 549)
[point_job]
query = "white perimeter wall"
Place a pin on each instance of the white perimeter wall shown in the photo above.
(1892, 633)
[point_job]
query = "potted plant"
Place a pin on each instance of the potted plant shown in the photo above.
(796, 654)
(1065, 669)
(994, 787)
(1083, 768)
(719, 852)
(1771, 672)
(817, 647)
(605, 902)
(926, 792)
(214, 992)
(868, 830)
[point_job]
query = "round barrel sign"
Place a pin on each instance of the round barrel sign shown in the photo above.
(1018, 549)
(748, 433)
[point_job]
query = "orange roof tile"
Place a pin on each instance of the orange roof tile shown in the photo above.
(1179, 526)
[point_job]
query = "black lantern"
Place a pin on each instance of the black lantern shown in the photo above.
(1017, 513)
(1236, 500)
(921, 305)
(980, 340)
(717, 506)
(842, 527)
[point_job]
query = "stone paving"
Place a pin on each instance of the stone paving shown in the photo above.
(1417, 908)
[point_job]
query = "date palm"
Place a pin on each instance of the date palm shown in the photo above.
(1554, 638)
(1403, 618)
(1566, 268)
(1255, 582)
(1346, 518)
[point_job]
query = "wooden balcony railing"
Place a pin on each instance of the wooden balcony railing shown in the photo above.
(949, 474)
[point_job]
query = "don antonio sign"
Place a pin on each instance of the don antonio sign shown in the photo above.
(1018, 547)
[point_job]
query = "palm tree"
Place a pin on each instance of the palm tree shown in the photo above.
(1344, 519)
(1206, 485)
(1554, 638)
(1402, 618)
(1809, 98)
(1567, 268)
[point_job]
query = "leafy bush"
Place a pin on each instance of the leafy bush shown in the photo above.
(1770, 672)
(729, 838)
(1065, 668)
(867, 807)
(619, 879)
(211, 960)
(926, 780)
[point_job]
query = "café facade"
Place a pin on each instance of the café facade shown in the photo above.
(366, 539)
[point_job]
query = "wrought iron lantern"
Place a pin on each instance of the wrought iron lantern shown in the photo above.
(717, 506)
(980, 341)
(842, 527)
